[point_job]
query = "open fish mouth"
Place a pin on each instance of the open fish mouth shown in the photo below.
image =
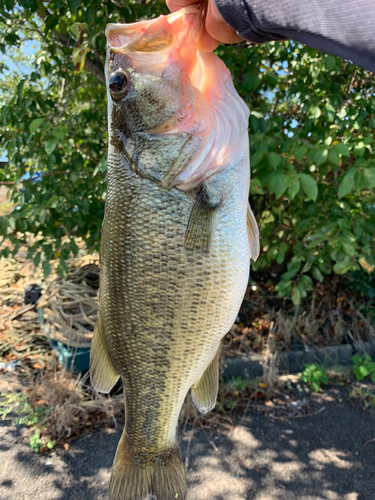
(213, 111)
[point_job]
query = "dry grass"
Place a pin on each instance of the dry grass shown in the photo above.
(333, 314)
(270, 377)
(70, 406)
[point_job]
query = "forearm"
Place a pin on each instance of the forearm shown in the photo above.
(341, 27)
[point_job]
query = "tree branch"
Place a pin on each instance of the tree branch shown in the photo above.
(95, 69)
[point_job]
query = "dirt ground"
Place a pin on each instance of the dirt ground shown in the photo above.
(327, 454)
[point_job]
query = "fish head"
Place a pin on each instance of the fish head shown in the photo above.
(148, 72)
(159, 82)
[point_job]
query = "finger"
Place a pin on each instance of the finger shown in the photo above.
(217, 28)
(174, 5)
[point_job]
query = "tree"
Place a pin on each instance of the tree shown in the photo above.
(311, 130)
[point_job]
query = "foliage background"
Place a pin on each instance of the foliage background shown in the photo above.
(311, 130)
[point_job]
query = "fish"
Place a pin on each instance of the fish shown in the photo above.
(176, 241)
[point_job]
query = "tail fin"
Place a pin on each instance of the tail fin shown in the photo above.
(136, 477)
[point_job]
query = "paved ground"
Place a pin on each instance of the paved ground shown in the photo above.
(328, 455)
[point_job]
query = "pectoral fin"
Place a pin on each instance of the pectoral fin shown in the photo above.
(102, 373)
(201, 222)
(252, 234)
(204, 393)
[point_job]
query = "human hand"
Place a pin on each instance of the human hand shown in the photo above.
(216, 29)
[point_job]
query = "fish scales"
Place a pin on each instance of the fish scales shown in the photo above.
(175, 247)
(157, 296)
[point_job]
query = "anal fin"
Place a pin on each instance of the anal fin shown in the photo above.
(252, 234)
(103, 376)
(204, 393)
(201, 222)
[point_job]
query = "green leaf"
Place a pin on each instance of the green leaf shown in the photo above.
(329, 62)
(35, 124)
(294, 186)
(330, 113)
(333, 156)
(274, 160)
(342, 149)
(347, 183)
(256, 187)
(356, 359)
(79, 56)
(359, 149)
(315, 112)
(364, 371)
(73, 6)
(315, 386)
(283, 287)
(42, 104)
(299, 152)
(309, 186)
(280, 257)
(20, 88)
(321, 156)
(257, 158)
(42, 216)
(74, 176)
(37, 258)
(342, 267)
(257, 114)
(51, 145)
(60, 132)
(271, 78)
(251, 81)
(369, 176)
(76, 28)
(47, 268)
(317, 274)
(278, 184)
(348, 242)
(296, 296)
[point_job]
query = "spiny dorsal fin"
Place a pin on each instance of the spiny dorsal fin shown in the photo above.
(201, 223)
(103, 376)
(204, 393)
(252, 234)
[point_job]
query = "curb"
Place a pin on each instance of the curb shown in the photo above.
(249, 366)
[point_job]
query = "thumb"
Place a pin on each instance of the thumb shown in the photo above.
(219, 29)
(174, 5)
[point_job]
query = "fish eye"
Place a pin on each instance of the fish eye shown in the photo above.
(118, 84)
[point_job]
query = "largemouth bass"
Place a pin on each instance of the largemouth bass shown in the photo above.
(177, 239)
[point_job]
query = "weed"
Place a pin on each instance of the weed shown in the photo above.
(226, 405)
(29, 415)
(239, 383)
(58, 406)
(363, 367)
(366, 397)
(314, 375)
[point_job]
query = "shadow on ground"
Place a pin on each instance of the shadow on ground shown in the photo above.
(328, 455)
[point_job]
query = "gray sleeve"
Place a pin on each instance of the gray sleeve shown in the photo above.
(345, 28)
